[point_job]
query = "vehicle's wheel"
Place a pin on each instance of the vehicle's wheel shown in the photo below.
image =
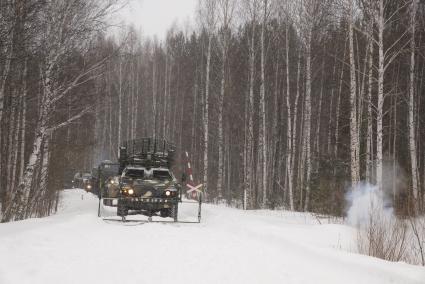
(121, 209)
(165, 213)
(174, 212)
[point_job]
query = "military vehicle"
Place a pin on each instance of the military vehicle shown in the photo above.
(82, 180)
(142, 183)
(111, 191)
(105, 176)
(77, 181)
(87, 182)
(147, 184)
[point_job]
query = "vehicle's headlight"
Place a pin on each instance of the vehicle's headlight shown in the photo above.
(89, 186)
(112, 181)
(127, 190)
(170, 192)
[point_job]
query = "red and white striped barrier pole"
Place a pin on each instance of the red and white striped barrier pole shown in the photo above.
(189, 169)
(190, 174)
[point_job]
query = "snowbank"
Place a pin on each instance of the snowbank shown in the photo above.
(229, 246)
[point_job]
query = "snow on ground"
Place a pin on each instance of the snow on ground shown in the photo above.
(229, 246)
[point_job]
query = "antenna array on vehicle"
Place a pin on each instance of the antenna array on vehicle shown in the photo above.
(148, 152)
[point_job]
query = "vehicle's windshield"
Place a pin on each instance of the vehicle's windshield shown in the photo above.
(135, 173)
(110, 170)
(111, 167)
(162, 175)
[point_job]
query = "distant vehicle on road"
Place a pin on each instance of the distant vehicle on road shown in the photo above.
(82, 180)
(77, 181)
(106, 181)
(87, 182)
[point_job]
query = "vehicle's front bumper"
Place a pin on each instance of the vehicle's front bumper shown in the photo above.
(140, 203)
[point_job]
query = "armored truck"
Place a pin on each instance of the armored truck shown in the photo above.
(147, 185)
(105, 178)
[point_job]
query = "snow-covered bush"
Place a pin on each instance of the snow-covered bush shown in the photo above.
(417, 233)
(380, 233)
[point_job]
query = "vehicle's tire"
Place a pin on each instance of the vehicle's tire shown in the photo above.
(174, 212)
(165, 213)
(121, 209)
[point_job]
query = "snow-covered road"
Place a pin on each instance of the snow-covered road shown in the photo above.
(229, 246)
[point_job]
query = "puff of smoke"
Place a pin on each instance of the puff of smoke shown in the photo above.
(364, 199)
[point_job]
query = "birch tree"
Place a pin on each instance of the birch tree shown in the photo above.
(208, 16)
(250, 9)
(386, 56)
(262, 144)
(67, 26)
(412, 124)
(354, 132)
(291, 111)
(225, 16)
(311, 15)
(369, 135)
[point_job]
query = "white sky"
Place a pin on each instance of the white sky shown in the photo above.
(155, 17)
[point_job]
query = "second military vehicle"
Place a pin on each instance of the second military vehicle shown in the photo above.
(105, 178)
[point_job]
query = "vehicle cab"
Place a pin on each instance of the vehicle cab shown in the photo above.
(139, 181)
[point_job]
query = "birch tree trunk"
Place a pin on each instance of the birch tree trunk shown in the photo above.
(245, 155)
(300, 171)
(369, 137)
(394, 144)
(262, 146)
(330, 122)
(120, 102)
(248, 190)
(354, 140)
(136, 105)
(15, 144)
(41, 135)
(338, 105)
(164, 125)
(226, 11)
(380, 106)
(23, 122)
(275, 159)
(110, 128)
(307, 120)
(319, 115)
(226, 8)
(289, 134)
(154, 95)
(35, 204)
(220, 126)
(206, 109)
(412, 124)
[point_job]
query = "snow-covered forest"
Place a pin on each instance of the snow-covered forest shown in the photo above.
(307, 114)
(280, 104)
